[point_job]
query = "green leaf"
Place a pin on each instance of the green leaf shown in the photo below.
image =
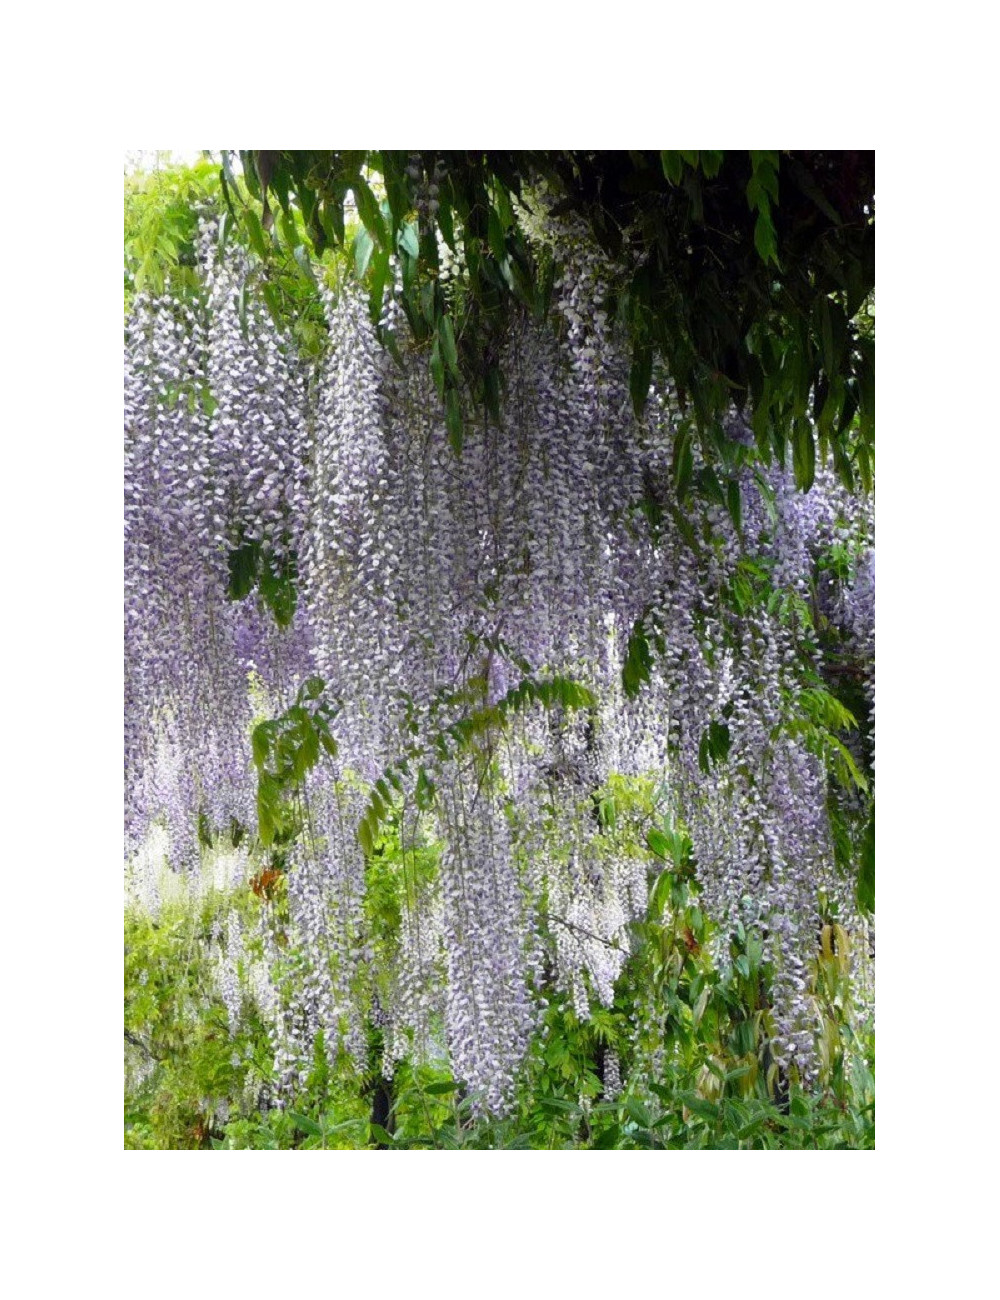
(256, 232)
(496, 237)
(454, 419)
(265, 820)
(261, 744)
(672, 164)
(660, 893)
(714, 746)
(243, 564)
(289, 230)
(637, 1112)
(409, 241)
(711, 162)
(658, 843)
(425, 303)
(764, 236)
(803, 454)
(449, 351)
(699, 1106)
(280, 594)
(424, 791)
(683, 460)
(363, 247)
(707, 482)
(437, 369)
(441, 1089)
(369, 211)
(379, 277)
(304, 1124)
(765, 173)
(825, 709)
(638, 660)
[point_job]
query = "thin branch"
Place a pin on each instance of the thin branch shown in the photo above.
(572, 925)
(137, 1042)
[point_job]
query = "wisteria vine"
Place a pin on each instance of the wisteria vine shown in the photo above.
(475, 619)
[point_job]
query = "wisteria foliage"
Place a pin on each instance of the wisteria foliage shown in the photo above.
(430, 584)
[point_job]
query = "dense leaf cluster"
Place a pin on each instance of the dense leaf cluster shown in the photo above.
(742, 273)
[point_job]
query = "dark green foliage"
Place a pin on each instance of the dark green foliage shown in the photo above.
(714, 746)
(185, 1074)
(638, 660)
(250, 567)
(745, 273)
(285, 748)
(470, 727)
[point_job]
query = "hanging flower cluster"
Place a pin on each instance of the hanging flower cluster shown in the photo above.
(215, 464)
(431, 587)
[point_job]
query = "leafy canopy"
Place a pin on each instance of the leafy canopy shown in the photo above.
(743, 273)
